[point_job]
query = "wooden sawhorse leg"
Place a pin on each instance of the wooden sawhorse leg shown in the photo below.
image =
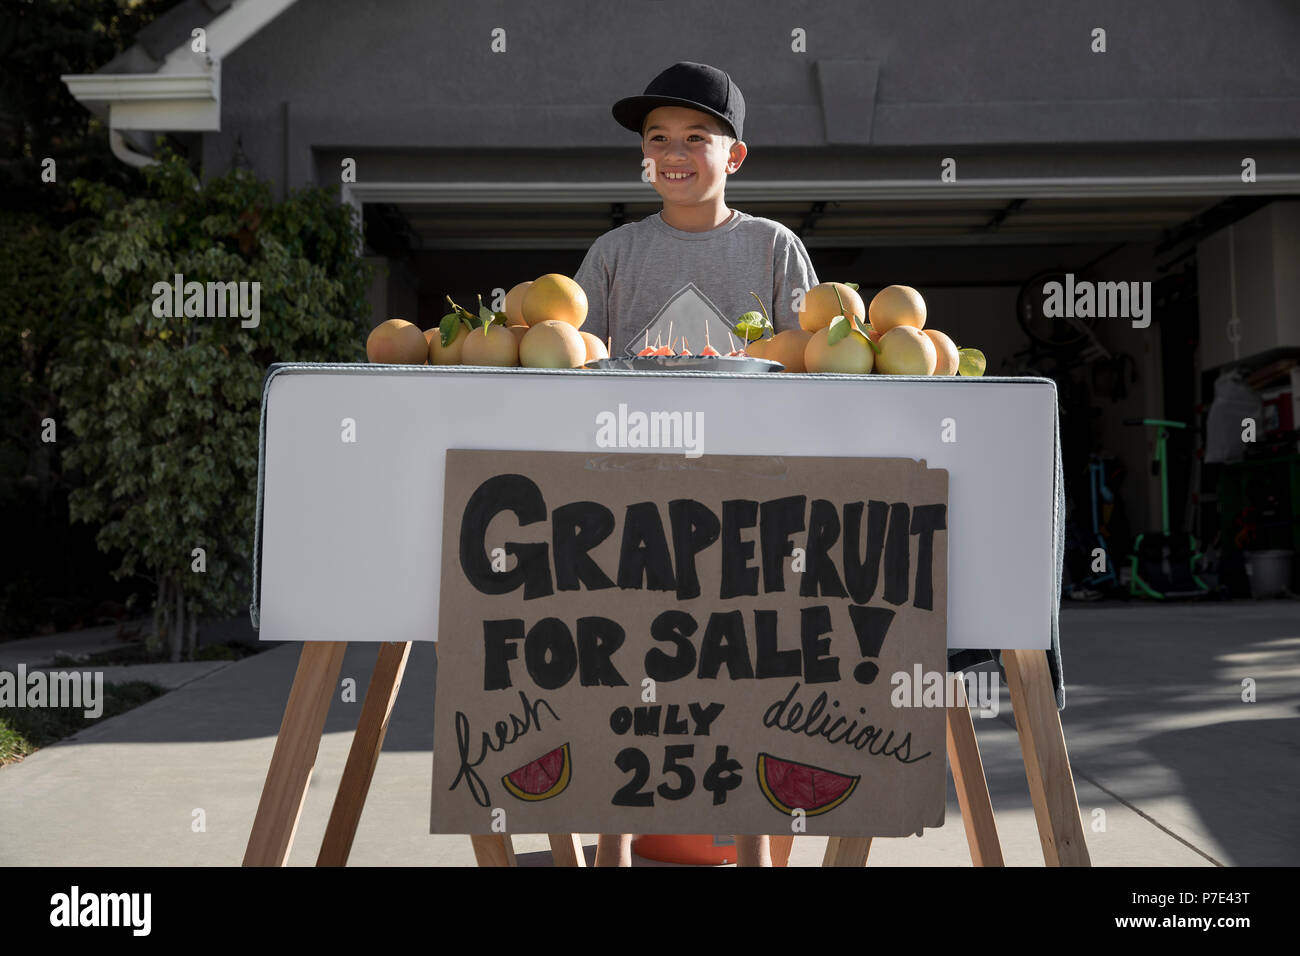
(496, 849)
(493, 849)
(972, 788)
(296, 748)
(1047, 765)
(566, 850)
(780, 846)
(847, 851)
(363, 755)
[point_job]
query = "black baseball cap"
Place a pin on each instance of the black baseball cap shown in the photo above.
(694, 85)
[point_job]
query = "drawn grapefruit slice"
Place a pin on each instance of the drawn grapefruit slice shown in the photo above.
(789, 786)
(541, 779)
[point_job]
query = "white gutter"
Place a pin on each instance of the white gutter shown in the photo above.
(152, 101)
(184, 95)
(141, 87)
(125, 153)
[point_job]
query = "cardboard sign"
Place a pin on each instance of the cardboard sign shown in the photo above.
(644, 643)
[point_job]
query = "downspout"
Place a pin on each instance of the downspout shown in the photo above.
(125, 153)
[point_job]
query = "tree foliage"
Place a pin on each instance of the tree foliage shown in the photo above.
(52, 576)
(165, 411)
(41, 40)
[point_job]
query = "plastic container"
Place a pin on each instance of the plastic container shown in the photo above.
(1269, 572)
(693, 849)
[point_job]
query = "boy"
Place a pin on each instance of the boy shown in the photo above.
(693, 264)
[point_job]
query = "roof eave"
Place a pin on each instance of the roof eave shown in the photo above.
(152, 101)
(184, 94)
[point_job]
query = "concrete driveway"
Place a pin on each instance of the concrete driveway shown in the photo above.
(1172, 768)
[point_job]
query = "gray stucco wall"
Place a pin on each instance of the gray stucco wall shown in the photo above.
(891, 77)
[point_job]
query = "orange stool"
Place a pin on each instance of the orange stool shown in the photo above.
(693, 849)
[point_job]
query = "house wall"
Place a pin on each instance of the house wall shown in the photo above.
(924, 76)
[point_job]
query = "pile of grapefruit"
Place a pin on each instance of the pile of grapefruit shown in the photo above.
(839, 333)
(539, 328)
(541, 324)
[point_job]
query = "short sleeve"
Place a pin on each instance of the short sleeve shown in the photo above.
(792, 270)
(593, 276)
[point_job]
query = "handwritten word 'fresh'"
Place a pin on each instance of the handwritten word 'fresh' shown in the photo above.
(506, 734)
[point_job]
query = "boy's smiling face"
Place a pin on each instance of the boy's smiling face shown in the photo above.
(686, 141)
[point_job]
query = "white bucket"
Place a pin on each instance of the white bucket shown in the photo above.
(1269, 572)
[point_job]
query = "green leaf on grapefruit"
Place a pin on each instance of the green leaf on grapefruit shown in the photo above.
(836, 331)
(448, 328)
(791, 786)
(541, 779)
(863, 329)
(751, 326)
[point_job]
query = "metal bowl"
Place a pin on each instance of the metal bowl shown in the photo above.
(735, 364)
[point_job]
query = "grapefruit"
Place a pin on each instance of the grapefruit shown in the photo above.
(820, 305)
(850, 355)
(905, 350)
(396, 342)
(552, 344)
(791, 786)
(515, 303)
(595, 347)
(494, 346)
(554, 297)
(541, 779)
(450, 355)
(787, 348)
(896, 305)
(947, 351)
(757, 348)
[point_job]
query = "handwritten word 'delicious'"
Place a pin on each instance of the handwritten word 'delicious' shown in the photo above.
(788, 714)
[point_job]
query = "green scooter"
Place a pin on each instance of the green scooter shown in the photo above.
(1163, 565)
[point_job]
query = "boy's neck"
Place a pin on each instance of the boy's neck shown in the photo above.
(696, 218)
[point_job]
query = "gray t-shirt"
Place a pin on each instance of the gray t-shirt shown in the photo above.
(643, 275)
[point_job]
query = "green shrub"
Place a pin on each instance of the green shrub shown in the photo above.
(164, 411)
